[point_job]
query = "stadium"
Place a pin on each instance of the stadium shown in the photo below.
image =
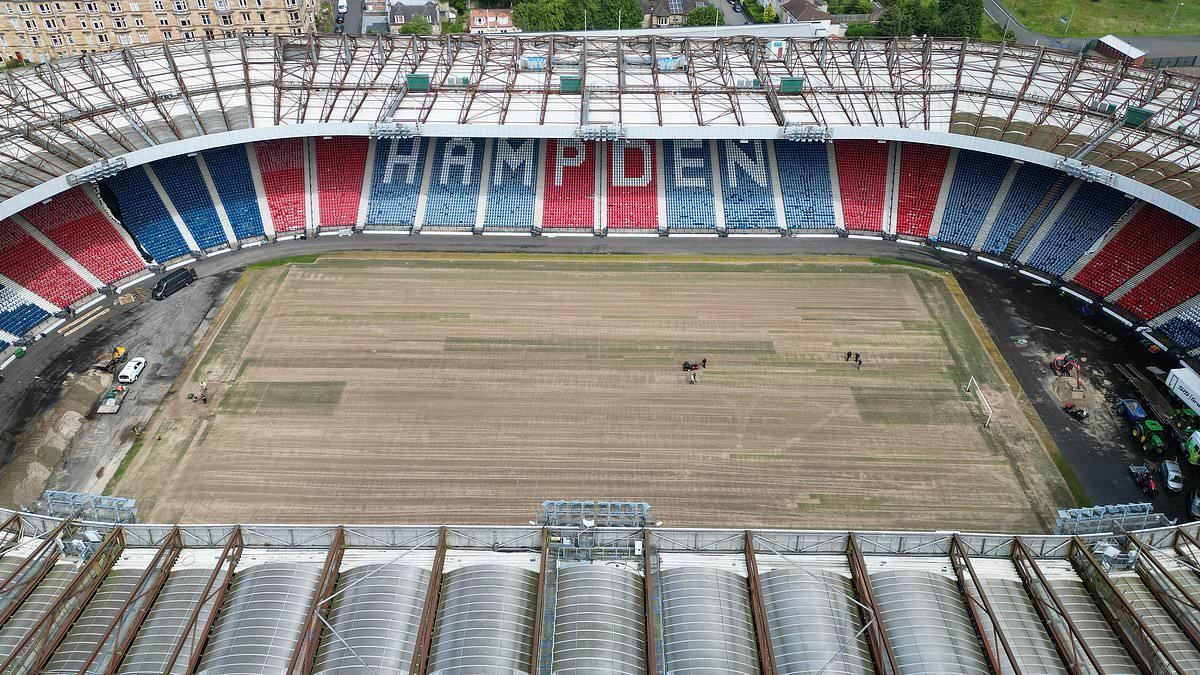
(394, 405)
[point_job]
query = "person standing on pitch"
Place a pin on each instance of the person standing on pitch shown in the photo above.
(848, 355)
(693, 379)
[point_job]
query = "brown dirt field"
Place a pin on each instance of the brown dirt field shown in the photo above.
(466, 389)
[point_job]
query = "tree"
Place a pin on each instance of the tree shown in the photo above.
(908, 17)
(418, 25)
(769, 14)
(960, 18)
(540, 16)
(705, 16)
(452, 27)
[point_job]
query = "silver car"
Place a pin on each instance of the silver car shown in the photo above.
(1172, 476)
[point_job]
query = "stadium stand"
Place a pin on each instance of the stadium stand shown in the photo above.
(1089, 214)
(143, 213)
(689, 186)
(1145, 238)
(73, 222)
(570, 189)
(341, 162)
(453, 194)
(921, 170)
(977, 178)
(24, 260)
(281, 164)
(632, 189)
(1169, 286)
(1027, 190)
(1184, 329)
(17, 316)
(804, 180)
(181, 178)
(396, 181)
(862, 168)
(230, 171)
(512, 185)
(746, 193)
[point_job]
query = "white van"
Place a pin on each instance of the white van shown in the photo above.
(343, 7)
(130, 372)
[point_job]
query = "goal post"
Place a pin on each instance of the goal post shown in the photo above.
(973, 386)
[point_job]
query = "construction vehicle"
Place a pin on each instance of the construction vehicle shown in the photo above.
(1143, 477)
(1068, 366)
(109, 362)
(1191, 447)
(1075, 411)
(1151, 435)
(1185, 418)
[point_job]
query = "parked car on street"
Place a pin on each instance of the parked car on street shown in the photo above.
(132, 370)
(1172, 476)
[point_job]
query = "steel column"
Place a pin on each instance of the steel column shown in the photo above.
(25, 578)
(980, 608)
(762, 635)
(1052, 612)
(110, 648)
(306, 647)
(218, 583)
(38, 645)
(535, 661)
(420, 659)
(881, 647)
(1179, 603)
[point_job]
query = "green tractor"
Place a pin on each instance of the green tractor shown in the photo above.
(1151, 435)
(1185, 418)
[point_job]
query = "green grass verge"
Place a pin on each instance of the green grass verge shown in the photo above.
(130, 455)
(278, 398)
(1094, 18)
(306, 259)
(1077, 492)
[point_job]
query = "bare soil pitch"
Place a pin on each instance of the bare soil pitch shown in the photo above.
(429, 389)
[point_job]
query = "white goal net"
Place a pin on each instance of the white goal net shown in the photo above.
(973, 386)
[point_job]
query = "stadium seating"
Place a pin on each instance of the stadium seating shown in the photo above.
(632, 189)
(1146, 237)
(17, 316)
(73, 222)
(181, 178)
(1184, 329)
(1026, 192)
(281, 164)
(24, 260)
(862, 176)
(570, 187)
(1169, 286)
(921, 170)
(746, 192)
(1089, 214)
(688, 184)
(396, 181)
(230, 171)
(977, 177)
(804, 180)
(145, 216)
(453, 194)
(512, 185)
(341, 162)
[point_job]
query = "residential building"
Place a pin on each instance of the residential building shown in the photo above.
(492, 21)
(803, 11)
(669, 13)
(40, 31)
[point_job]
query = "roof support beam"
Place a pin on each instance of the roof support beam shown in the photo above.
(881, 647)
(420, 659)
(110, 648)
(10, 533)
(982, 614)
(1071, 645)
(306, 647)
(1141, 642)
(535, 662)
(1179, 603)
(25, 578)
(38, 645)
(656, 660)
(194, 635)
(762, 635)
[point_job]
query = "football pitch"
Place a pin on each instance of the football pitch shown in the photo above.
(363, 388)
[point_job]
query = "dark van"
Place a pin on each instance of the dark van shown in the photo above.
(168, 285)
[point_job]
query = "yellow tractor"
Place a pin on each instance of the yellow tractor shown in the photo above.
(111, 360)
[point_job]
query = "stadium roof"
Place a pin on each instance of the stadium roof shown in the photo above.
(143, 103)
(277, 598)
